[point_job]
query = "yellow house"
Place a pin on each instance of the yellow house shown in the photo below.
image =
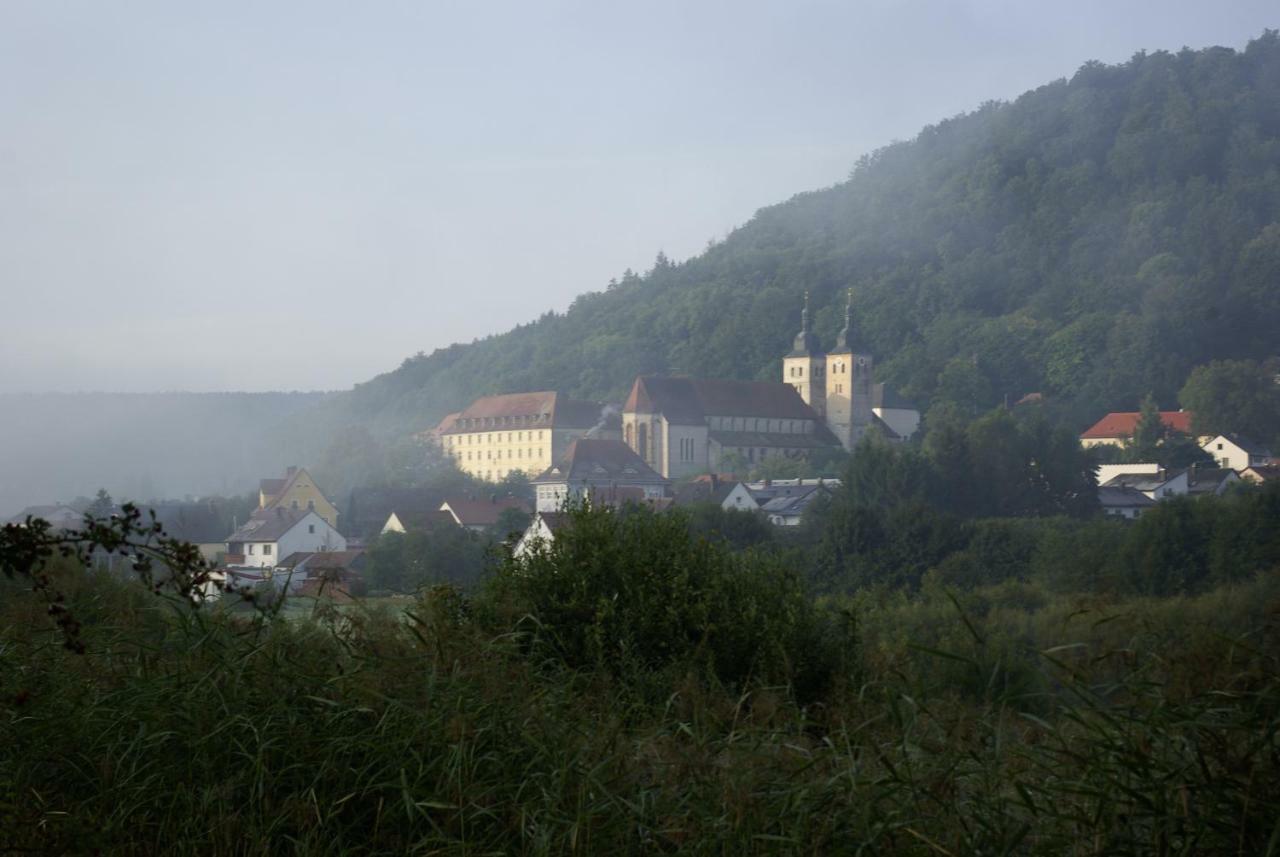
(520, 432)
(297, 490)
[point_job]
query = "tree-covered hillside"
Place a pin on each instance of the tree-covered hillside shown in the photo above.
(1095, 240)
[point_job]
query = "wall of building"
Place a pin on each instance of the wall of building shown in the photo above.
(808, 376)
(686, 448)
(304, 494)
(492, 455)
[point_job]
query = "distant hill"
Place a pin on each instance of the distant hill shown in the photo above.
(55, 447)
(1093, 240)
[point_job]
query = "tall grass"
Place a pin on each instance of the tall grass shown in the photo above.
(1001, 722)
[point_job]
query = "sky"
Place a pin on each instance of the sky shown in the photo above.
(299, 195)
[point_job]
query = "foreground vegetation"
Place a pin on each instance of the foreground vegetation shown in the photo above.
(637, 689)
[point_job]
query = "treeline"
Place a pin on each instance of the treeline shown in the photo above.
(633, 688)
(1093, 240)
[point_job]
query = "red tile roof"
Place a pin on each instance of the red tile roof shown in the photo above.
(1123, 423)
(481, 513)
(689, 401)
(544, 409)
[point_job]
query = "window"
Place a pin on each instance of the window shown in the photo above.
(266, 550)
(311, 528)
(294, 504)
(311, 505)
(250, 550)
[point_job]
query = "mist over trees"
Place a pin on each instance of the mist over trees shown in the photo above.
(1095, 240)
(54, 447)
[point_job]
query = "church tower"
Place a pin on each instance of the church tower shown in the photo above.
(805, 367)
(850, 379)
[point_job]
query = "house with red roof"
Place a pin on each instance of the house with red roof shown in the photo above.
(1117, 428)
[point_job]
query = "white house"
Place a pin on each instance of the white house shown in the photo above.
(1156, 486)
(1122, 502)
(605, 471)
(1107, 472)
(1236, 452)
(272, 534)
(784, 501)
(725, 493)
(541, 532)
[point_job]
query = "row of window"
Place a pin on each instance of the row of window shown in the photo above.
(798, 371)
(492, 437)
(490, 454)
(494, 422)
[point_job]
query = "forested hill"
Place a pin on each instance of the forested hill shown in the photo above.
(1094, 239)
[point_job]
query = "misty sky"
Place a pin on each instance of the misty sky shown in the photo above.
(298, 195)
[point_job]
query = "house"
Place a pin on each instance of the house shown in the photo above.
(713, 488)
(601, 470)
(541, 532)
(1206, 481)
(295, 570)
(784, 501)
(685, 426)
(480, 515)
(1262, 474)
(1236, 452)
(1123, 502)
(297, 491)
(901, 416)
(1107, 472)
(60, 517)
(1156, 486)
(198, 523)
(402, 522)
(278, 532)
(496, 436)
(1117, 428)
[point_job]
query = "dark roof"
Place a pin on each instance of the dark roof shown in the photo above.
(689, 401)
(884, 396)
(268, 525)
(423, 520)
(1265, 472)
(555, 520)
(543, 409)
(60, 516)
(793, 503)
(884, 427)
(1110, 496)
(1143, 481)
(806, 344)
(1205, 480)
(316, 560)
(197, 523)
(594, 460)
(703, 491)
(481, 513)
(271, 487)
(1123, 424)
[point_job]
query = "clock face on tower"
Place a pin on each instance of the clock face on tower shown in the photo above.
(862, 361)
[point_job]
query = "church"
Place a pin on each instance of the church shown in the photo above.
(682, 427)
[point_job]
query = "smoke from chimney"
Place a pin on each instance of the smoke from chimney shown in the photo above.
(605, 413)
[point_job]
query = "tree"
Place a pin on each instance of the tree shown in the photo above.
(1149, 433)
(102, 505)
(1240, 396)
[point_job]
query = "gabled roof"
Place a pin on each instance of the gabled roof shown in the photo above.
(1123, 424)
(884, 396)
(601, 461)
(271, 487)
(1116, 497)
(704, 491)
(689, 401)
(268, 525)
(1207, 480)
(316, 560)
(793, 503)
(542, 409)
(1143, 481)
(480, 513)
(423, 520)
